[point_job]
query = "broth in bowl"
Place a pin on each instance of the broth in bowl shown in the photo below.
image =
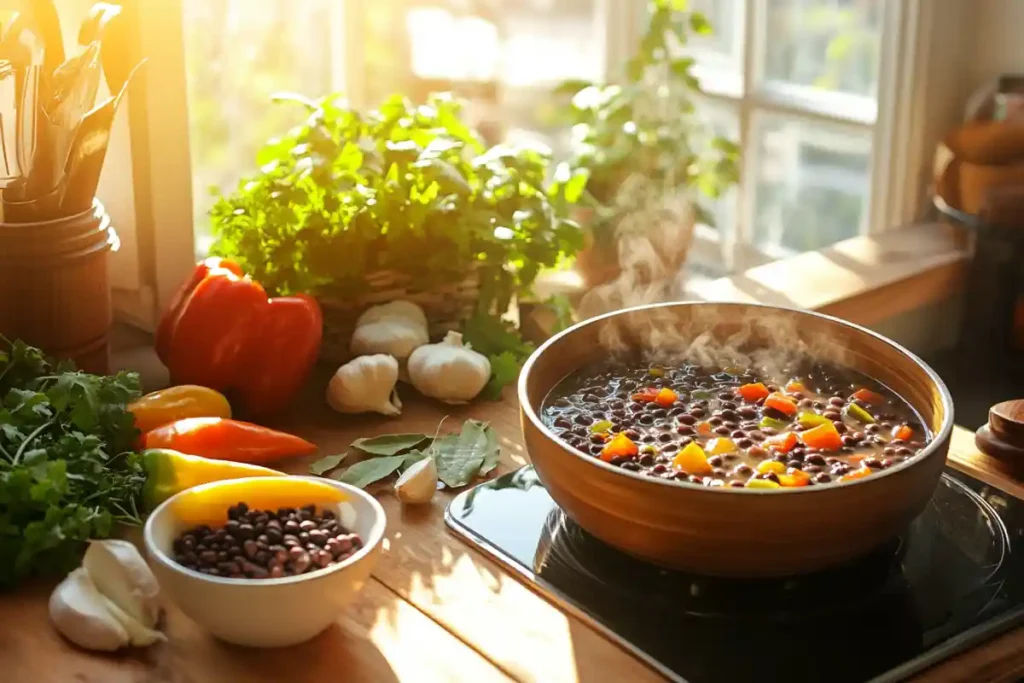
(815, 425)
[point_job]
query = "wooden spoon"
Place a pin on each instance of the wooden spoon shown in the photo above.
(1003, 436)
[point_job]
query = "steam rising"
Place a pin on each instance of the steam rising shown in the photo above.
(653, 245)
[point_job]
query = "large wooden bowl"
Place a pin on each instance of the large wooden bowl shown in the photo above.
(727, 531)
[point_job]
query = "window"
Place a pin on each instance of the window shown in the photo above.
(812, 90)
(803, 82)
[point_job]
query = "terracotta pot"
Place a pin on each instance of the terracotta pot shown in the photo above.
(55, 286)
(729, 531)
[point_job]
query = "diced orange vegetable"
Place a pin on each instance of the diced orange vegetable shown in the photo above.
(856, 474)
(795, 477)
(620, 446)
(648, 395)
(720, 446)
(704, 428)
(794, 387)
(766, 466)
(868, 396)
(752, 392)
(666, 397)
(782, 403)
(762, 484)
(692, 460)
(903, 432)
(783, 443)
(823, 437)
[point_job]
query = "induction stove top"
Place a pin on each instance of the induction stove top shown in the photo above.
(954, 579)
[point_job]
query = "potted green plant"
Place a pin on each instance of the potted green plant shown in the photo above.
(643, 133)
(401, 202)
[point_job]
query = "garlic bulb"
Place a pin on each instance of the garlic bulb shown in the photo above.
(418, 483)
(449, 371)
(79, 612)
(394, 328)
(120, 573)
(365, 384)
(394, 310)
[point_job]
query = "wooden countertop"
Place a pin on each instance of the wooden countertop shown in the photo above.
(437, 610)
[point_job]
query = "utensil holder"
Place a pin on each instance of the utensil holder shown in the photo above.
(55, 286)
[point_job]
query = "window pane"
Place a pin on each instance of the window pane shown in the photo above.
(827, 44)
(719, 55)
(812, 184)
(723, 120)
(238, 54)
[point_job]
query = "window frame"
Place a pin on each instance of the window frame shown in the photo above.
(161, 164)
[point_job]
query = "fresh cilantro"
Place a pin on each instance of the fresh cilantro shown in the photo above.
(67, 470)
(504, 348)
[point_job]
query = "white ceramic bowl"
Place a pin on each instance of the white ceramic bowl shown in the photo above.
(268, 612)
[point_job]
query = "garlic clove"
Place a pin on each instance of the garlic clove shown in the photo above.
(418, 483)
(120, 573)
(394, 310)
(139, 635)
(78, 611)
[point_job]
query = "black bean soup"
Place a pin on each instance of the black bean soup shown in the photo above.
(731, 427)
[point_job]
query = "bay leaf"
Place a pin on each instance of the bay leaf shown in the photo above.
(389, 444)
(459, 456)
(413, 457)
(364, 473)
(492, 452)
(327, 463)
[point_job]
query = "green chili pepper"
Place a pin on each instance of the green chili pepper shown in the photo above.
(858, 413)
(601, 427)
(700, 393)
(656, 372)
(777, 425)
(809, 420)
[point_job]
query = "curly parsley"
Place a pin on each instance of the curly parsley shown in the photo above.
(67, 468)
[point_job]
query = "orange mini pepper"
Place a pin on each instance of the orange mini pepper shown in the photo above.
(824, 437)
(223, 439)
(753, 392)
(620, 445)
(176, 403)
(704, 428)
(782, 403)
(868, 396)
(648, 395)
(783, 443)
(795, 387)
(692, 460)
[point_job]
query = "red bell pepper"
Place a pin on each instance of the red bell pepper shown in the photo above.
(221, 331)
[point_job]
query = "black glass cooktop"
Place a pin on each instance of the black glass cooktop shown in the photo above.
(953, 580)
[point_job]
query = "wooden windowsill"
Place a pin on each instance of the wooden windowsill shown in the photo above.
(864, 280)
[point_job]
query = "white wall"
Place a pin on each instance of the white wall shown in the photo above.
(998, 31)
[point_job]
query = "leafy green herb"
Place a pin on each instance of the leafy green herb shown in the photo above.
(367, 472)
(405, 187)
(643, 130)
(327, 463)
(505, 349)
(67, 470)
(389, 444)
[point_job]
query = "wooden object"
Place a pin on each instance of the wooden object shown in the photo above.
(436, 610)
(447, 306)
(710, 531)
(55, 286)
(1003, 436)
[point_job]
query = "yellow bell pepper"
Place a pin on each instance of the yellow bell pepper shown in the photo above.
(766, 466)
(177, 403)
(762, 484)
(721, 446)
(692, 460)
(209, 504)
(169, 472)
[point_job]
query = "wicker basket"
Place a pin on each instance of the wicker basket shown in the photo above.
(447, 307)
